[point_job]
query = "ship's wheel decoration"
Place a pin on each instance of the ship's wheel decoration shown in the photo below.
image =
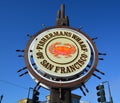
(61, 56)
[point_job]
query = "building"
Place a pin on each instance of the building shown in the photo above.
(25, 101)
(75, 99)
(84, 102)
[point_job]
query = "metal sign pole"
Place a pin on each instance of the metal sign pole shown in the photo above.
(61, 95)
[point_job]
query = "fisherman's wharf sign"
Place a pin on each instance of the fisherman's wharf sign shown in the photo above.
(60, 57)
(61, 52)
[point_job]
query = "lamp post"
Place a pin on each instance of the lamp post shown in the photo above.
(1, 97)
(110, 96)
(29, 93)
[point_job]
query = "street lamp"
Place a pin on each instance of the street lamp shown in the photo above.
(29, 92)
(1, 97)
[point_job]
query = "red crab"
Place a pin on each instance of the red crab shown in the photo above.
(62, 49)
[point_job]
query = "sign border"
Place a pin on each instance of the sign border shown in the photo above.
(50, 84)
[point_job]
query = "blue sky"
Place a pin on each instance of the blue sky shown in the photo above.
(99, 18)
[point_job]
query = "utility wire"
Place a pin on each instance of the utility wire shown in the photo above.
(13, 84)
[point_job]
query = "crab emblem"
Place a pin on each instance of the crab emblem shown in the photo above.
(62, 49)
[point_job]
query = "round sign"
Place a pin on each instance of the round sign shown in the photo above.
(60, 55)
(61, 52)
